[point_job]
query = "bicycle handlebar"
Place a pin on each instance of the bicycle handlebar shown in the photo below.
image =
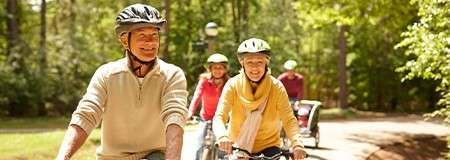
(284, 152)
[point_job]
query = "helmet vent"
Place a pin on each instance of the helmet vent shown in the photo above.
(120, 17)
(134, 10)
(138, 14)
(148, 12)
(254, 45)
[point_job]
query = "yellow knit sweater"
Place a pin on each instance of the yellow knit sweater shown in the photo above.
(237, 95)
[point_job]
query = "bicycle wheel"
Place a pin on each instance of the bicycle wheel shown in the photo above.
(207, 154)
(284, 158)
(199, 153)
(284, 140)
(317, 138)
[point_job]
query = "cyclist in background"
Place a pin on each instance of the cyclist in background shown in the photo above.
(293, 82)
(209, 89)
(253, 105)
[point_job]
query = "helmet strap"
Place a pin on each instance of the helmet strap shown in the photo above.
(218, 81)
(260, 80)
(137, 70)
(132, 55)
(212, 77)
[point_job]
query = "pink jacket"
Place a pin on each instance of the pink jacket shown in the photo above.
(208, 92)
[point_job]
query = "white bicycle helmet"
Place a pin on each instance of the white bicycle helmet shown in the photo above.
(217, 58)
(253, 45)
(290, 64)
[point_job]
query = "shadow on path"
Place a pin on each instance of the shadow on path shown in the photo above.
(401, 145)
(312, 156)
(319, 148)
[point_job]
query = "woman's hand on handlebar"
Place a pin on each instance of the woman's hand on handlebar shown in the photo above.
(190, 116)
(297, 105)
(191, 119)
(225, 144)
(299, 153)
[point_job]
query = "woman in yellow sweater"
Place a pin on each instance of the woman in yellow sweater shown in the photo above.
(253, 105)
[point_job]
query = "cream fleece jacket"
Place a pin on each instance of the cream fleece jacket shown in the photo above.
(133, 116)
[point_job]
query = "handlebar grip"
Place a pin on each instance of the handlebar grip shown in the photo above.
(290, 154)
(283, 151)
(235, 149)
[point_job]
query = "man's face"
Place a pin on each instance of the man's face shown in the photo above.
(290, 72)
(144, 43)
(254, 66)
(217, 70)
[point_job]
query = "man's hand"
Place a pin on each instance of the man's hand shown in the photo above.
(225, 144)
(174, 142)
(299, 153)
(73, 139)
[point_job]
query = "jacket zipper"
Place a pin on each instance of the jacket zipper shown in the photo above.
(140, 91)
(139, 87)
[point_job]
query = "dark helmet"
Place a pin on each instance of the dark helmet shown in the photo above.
(137, 16)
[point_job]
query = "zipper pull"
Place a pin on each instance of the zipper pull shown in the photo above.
(140, 90)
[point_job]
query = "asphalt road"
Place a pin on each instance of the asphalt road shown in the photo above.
(351, 139)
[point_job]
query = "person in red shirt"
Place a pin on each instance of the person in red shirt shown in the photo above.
(208, 91)
(293, 82)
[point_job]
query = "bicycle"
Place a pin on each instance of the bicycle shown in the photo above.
(308, 123)
(208, 150)
(239, 154)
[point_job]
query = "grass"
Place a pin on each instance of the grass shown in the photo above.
(42, 146)
(39, 122)
(351, 113)
(448, 147)
(37, 145)
(337, 113)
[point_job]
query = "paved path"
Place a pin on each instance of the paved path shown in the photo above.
(353, 139)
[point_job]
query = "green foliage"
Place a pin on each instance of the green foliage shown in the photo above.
(427, 42)
(80, 37)
(374, 29)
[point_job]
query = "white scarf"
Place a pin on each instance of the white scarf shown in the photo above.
(250, 127)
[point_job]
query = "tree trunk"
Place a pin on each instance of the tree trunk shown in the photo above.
(42, 50)
(12, 36)
(165, 51)
(342, 69)
(234, 12)
(72, 26)
(12, 32)
(43, 60)
(73, 39)
(245, 19)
